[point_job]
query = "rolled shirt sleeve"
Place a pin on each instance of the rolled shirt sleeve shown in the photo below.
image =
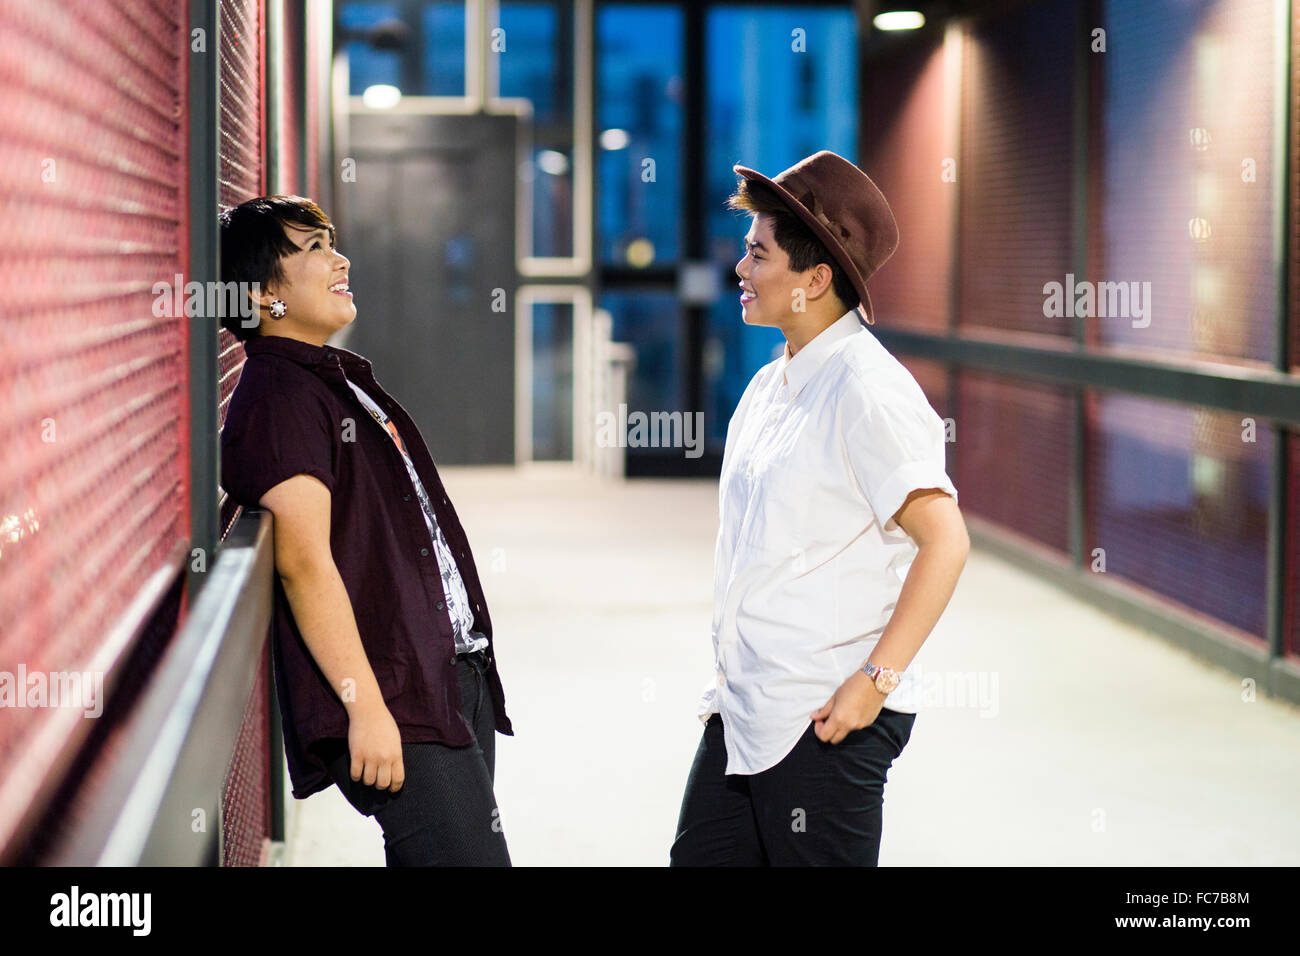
(274, 439)
(895, 444)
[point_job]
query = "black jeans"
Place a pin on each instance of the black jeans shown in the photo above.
(446, 813)
(820, 806)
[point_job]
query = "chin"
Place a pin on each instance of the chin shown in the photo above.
(333, 328)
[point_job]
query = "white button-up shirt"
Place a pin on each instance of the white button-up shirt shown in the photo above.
(821, 452)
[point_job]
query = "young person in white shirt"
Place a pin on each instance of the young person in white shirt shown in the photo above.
(839, 545)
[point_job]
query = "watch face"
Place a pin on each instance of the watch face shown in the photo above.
(886, 681)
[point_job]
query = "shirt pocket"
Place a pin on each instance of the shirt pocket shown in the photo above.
(808, 514)
(778, 509)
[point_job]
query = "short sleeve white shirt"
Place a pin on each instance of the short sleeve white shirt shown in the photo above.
(821, 452)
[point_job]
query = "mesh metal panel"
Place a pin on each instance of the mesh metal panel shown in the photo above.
(1291, 576)
(246, 800)
(93, 400)
(1013, 455)
(79, 800)
(245, 823)
(240, 165)
(1015, 166)
(240, 158)
(1177, 497)
(1291, 553)
(289, 48)
(903, 149)
(1293, 196)
(312, 101)
(1188, 115)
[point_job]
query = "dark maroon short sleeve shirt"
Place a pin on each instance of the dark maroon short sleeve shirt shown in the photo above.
(292, 413)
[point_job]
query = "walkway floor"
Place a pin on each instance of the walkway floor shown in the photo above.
(1056, 734)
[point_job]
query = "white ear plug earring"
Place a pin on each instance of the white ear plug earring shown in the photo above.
(278, 308)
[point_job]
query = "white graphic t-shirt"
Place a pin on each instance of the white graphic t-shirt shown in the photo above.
(462, 617)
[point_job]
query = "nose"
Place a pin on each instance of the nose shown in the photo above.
(741, 263)
(346, 264)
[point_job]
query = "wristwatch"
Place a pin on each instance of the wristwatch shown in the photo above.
(886, 680)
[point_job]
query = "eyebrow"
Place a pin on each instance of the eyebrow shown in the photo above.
(756, 245)
(315, 233)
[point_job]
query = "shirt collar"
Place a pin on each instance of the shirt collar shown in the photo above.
(809, 359)
(304, 353)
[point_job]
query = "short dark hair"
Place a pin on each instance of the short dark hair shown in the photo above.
(798, 242)
(253, 242)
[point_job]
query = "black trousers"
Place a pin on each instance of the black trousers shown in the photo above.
(820, 806)
(446, 813)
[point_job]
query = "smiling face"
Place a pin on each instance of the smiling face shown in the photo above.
(768, 286)
(314, 289)
(772, 294)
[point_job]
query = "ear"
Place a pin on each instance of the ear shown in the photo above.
(820, 280)
(264, 297)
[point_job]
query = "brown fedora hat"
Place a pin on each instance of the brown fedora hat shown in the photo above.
(844, 209)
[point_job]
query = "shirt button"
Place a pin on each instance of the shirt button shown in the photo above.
(424, 552)
(452, 662)
(439, 605)
(722, 681)
(406, 497)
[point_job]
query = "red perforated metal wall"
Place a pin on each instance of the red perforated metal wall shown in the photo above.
(1181, 196)
(246, 799)
(1015, 169)
(1293, 196)
(905, 150)
(1291, 616)
(1014, 438)
(241, 138)
(289, 49)
(1188, 186)
(93, 394)
(1186, 194)
(1177, 496)
(1013, 455)
(1291, 549)
(245, 810)
(314, 102)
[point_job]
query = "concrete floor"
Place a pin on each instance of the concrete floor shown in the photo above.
(1056, 734)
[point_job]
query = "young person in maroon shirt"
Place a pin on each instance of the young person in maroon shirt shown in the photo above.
(384, 663)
